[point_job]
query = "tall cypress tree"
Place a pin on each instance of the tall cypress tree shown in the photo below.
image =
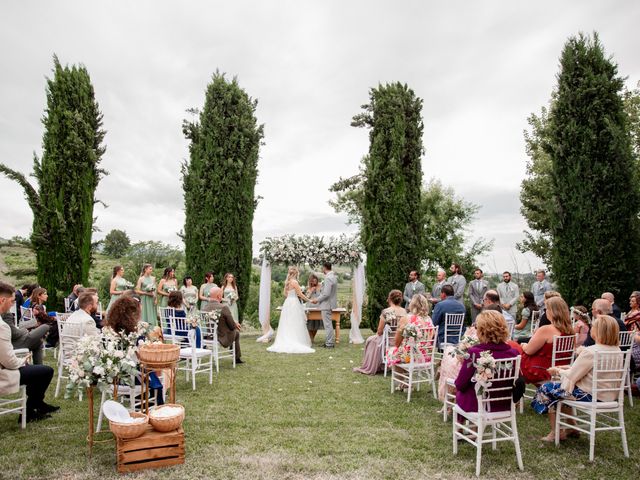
(392, 220)
(594, 219)
(67, 176)
(219, 184)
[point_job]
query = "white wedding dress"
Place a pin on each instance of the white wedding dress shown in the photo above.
(292, 335)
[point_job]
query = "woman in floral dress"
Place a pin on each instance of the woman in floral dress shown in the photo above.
(418, 318)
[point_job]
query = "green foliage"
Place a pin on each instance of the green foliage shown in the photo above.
(391, 223)
(67, 176)
(159, 255)
(219, 183)
(595, 203)
(116, 243)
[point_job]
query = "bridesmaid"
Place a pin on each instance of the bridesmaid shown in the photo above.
(146, 287)
(118, 285)
(167, 285)
(205, 288)
(230, 295)
(189, 293)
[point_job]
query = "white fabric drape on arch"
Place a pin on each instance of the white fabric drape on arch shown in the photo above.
(264, 302)
(356, 305)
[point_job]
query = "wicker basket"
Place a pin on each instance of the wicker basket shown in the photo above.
(159, 353)
(130, 430)
(166, 424)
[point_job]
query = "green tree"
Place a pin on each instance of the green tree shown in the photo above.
(594, 218)
(67, 176)
(219, 183)
(116, 243)
(392, 228)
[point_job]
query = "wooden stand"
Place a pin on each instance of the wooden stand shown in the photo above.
(315, 314)
(145, 369)
(152, 450)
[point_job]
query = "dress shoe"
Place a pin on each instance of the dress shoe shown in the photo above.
(46, 408)
(328, 346)
(238, 361)
(34, 416)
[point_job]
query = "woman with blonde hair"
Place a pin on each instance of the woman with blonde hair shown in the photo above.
(536, 355)
(576, 381)
(292, 335)
(419, 316)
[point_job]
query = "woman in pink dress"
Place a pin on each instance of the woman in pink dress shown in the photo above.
(418, 316)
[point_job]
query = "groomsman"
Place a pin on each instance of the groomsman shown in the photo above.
(477, 289)
(458, 282)
(540, 286)
(441, 277)
(509, 293)
(414, 287)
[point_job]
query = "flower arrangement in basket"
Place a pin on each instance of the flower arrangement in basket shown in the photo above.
(486, 370)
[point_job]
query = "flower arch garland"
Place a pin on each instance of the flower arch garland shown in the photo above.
(314, 251)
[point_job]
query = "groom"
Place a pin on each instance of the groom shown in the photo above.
(327, 301)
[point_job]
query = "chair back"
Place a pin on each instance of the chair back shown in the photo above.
(510, 326)
(499, 392)
(626, 339)
(67, 346)
(453, 323)
(67, 304)
(26, 315)
(209, 327)
(425, 345)
(166, 312)
(564, 350)
(180, 329)
(610, 373)
(535, 320)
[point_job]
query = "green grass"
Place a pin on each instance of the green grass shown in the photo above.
(308, 416)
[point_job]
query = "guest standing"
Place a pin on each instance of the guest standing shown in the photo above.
(117, 286)
(413, 287)
(441, 279)
(189, 293)
(509, 293)
(146, 289)
(477, 288)
(540, 287)
(167, 284)
(230, 295)
(205, 290)
(313, 292)
(457, 281)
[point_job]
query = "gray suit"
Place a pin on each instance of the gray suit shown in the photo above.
(509, 293)
(327, 301)
(410, 290)
(477, 289)
(458, 282)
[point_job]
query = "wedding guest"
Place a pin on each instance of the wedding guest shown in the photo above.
(189, 293)
(477, 288)
(615, 309)
(450, 364)
(167, 284)
(39, 296)
(509, 293)
(523, 329)
(441, 279)
(205, 289)
(492, 335)
(457, 281)
(632, 319)
(413, 287)
(540, 287)
(536, 355)
(81, 322)
(543, 317)
(97, 315)
(20, 296)
(447, 304)
(580, 318)
(228, 328)
(73, 296)
(15, 372)
(576, 381)
(313, 292)
(32, 339)
(117, 286)
(372, 360)
(599, 307)
(146, 289)
(230, 294)
(176, 301)
(491, 298)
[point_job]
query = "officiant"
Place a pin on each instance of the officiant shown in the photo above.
(313, 291)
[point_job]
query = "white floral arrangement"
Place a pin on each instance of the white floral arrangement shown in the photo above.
(312, 250)
(170, 289)
(231, 296)
(486, 370)
(462, 349)
(128, 285)
(190, 301)
(390, 317)
(150, 288)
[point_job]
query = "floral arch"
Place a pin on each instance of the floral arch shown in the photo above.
(313, 251)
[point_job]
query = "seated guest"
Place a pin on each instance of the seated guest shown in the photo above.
(228, 329)
(576, 382)
(97, 316)
(536, 355)
(602, 306)
(28, 293)
(523, 329)
(31, 339)
(580, 319)
(419, 316)
(450, 364)
(615, 309)
(80, 322)
(372, 360)
(493, 335)
(491, 298)
(15, 372)
(632, 319)
(20, 293)
(176, 301)
(40, 297)
(543, 318)
(73, 296)
(447, 304)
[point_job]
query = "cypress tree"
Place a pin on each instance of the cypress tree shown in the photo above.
(594, 219)
(392, 220)
(67, 176)
(219, 184)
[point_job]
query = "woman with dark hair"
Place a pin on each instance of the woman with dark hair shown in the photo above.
(167, 285)
(313, 291)
(522, 330)
(189, 293)
(27, 294)
(117, 286)
(230, 295)
(205, 289)
(146, 289)
(372, 360)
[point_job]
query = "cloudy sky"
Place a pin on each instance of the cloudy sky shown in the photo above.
(481, 68)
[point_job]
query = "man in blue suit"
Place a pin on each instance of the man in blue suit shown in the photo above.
(447, 304)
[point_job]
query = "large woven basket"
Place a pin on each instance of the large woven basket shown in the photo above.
(129, 430)
(166, 424)
(159, 354)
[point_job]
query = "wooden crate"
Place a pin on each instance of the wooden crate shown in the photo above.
(152, 450)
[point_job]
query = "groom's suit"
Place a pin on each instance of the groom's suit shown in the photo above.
(327, 301)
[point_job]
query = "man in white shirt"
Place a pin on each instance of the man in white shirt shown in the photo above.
(80, 322)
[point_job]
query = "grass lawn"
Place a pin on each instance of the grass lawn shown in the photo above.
(308, 416)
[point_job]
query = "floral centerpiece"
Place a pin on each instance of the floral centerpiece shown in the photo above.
(170, 289)
(312, 250)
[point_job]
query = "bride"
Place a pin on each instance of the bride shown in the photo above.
(292, 335)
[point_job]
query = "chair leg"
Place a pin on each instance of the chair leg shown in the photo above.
(623, 432)
(479, 438)
(393, 378)
(233, 352)
(210, 369)
(58, 382)
(193, 373)
(433, 385)
(629, 389)
(454, 423)
(24, 408)
(516, 442)
(494, 444)
(592, 436)
(556, 427)
(410, 386)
